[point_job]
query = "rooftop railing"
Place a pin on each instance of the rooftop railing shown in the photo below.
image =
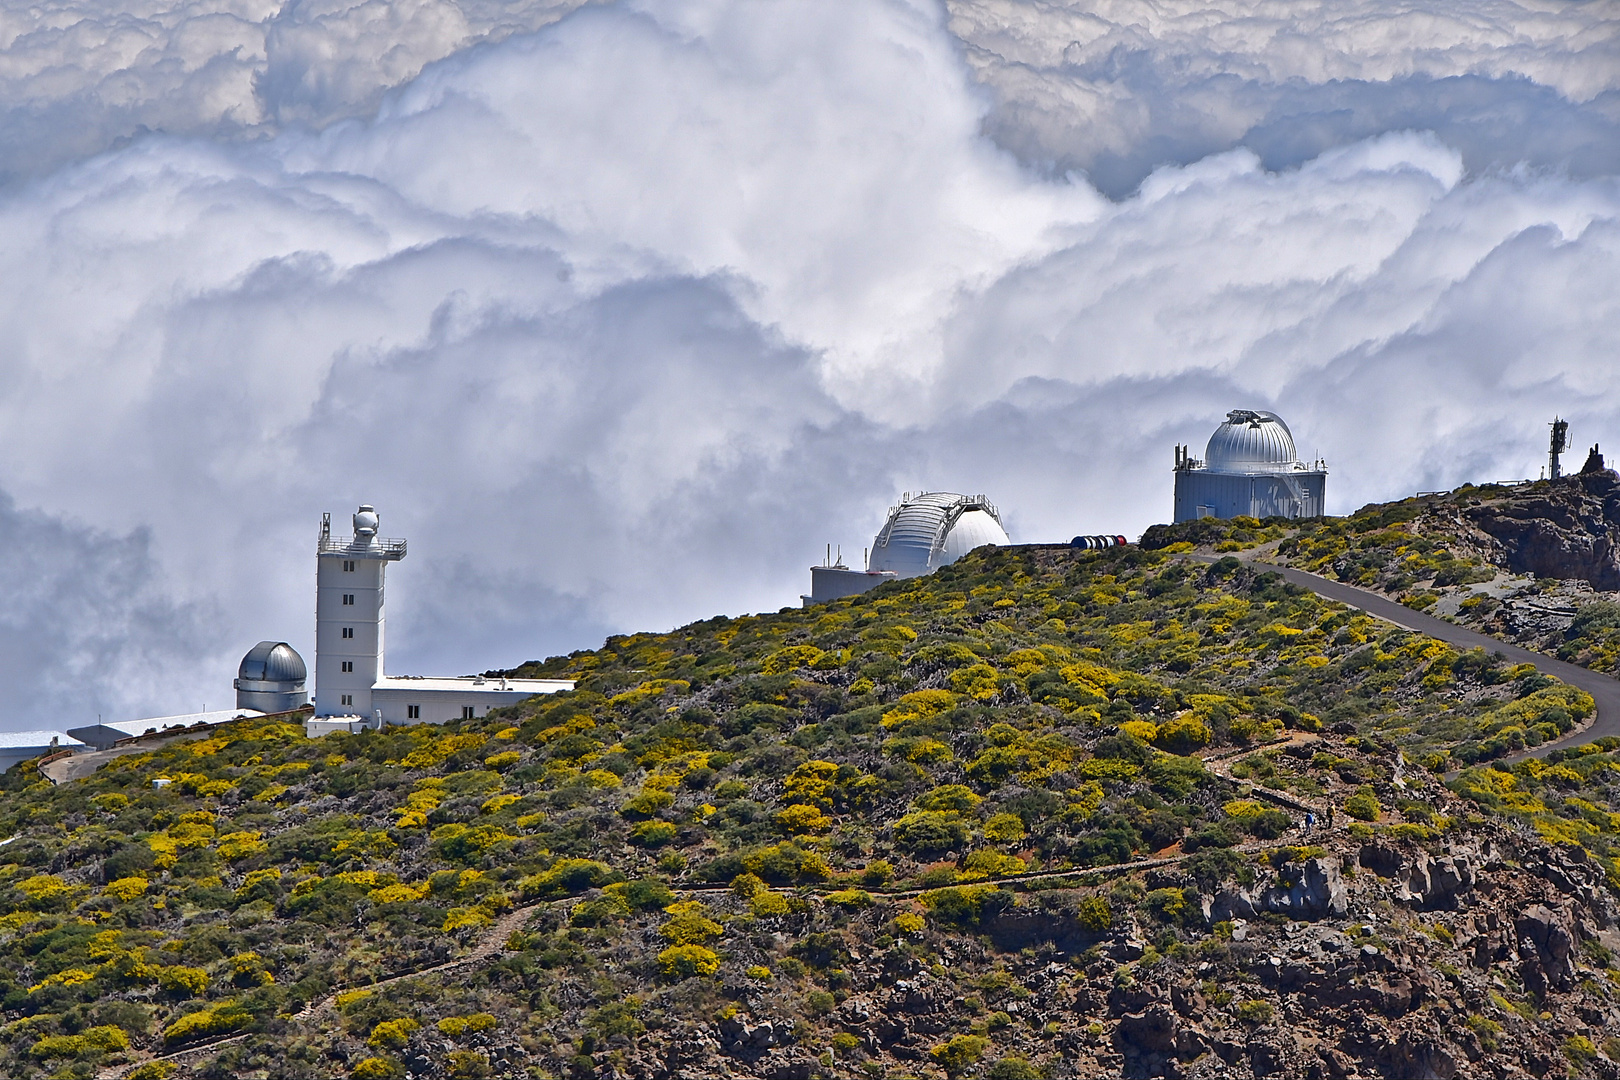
(375, 547)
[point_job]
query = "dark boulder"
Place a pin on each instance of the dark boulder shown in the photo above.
(1546, 949)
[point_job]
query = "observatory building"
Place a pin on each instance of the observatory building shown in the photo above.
(271, 678)
(351, 690)
(922, 534)
(1250, 467)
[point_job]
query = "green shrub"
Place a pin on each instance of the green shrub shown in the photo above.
(1094, 914)
(1363, 805)
(1212, 866)
(466, 844)
(1254, 1012)
(690, 926)
(1184, 735)
(931, 830)
(647, 803)
(467, 1065)
(392, 1034)
(965, 905)
(647, 894)
(1012, 1068)
(598, 912)
(184, 981)
(786, 863)
(458, 1026)
(1170, 905)
(959, 1053)
(953, 797)
(220, 1019)
(1580, 1050)
(687, 961)
(1269, 824)
(376, 1068)
(877, 874)
(653, 833)
(152, 1070)
(569, 877)
(91, 1042)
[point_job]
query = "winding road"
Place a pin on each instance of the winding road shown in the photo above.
(1604, 689)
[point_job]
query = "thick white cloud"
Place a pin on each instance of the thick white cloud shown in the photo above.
(80, 76)
(1119, 87)
(620, 321)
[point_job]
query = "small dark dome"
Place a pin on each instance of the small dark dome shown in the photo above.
(273, 661)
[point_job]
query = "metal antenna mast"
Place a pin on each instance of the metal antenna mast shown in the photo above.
(1560, 443)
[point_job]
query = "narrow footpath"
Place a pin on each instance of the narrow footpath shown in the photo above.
(492, 942)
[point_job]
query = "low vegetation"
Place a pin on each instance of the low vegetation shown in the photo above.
(721, 817)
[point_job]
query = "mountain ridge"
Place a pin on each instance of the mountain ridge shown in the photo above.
(1041, 813)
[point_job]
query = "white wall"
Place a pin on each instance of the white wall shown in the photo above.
(364, 651)
(439, 706)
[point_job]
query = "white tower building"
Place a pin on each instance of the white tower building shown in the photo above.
(349, 615)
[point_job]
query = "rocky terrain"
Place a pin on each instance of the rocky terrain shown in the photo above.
(1044, 813)
(1481, 951)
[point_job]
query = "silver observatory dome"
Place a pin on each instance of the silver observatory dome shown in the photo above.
(271, 678)
(928, 531)
(1250, 442)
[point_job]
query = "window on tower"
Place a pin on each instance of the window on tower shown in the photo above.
(348, 566)
(413, 712)
(348, 699)
(466, 712)
(348, 665)
(348, 631)
(348, 599)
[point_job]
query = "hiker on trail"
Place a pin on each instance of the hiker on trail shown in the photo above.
(1310, 821)
(1330, 817)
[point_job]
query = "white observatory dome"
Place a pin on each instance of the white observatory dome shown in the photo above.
(1250, 442)
(365, 521)
(932, 530)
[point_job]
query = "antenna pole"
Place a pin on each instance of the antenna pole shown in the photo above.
(1560, 442)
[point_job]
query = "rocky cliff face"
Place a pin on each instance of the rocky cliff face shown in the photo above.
(1366, 951)
(1568, 528)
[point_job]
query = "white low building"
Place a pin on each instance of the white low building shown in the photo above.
(105, 736)
(412, 699)
(352, 692)
(18, 746)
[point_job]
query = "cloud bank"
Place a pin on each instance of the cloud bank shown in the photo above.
(621, 314)
(1118, 88)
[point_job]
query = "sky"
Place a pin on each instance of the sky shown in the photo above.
(621, 312)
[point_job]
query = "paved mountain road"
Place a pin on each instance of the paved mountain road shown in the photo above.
(1604, 689)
